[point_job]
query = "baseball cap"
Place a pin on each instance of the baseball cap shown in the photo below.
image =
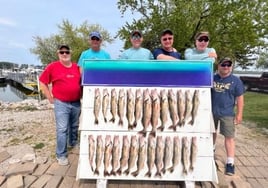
(226, 59)
(201, 34)
(166, 31)
(63, 46)
(95, 34)
(136, 32)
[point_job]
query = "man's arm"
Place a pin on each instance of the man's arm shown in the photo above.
(46, 91)
(239, 109)
(167, 57)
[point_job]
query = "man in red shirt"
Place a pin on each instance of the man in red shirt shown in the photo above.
(65, 94)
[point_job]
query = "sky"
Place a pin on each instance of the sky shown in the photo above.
(21, 20)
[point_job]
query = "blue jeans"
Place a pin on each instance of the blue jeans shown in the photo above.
(67, 121)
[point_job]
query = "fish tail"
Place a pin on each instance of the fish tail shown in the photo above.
(158, 173)
(106, 173)
(143, 133)
(153, 133)
(96, 171)
(149, 174)
(105, 120)
(135, 124)
(112, 120)
(161, 128)
(120, 122)
(171, 169)
(96, 121)
(135, 173)
(127, 171)
(119, 171)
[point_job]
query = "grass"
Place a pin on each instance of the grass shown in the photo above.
(256, 108)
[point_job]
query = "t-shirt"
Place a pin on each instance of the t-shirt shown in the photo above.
(65, 81)
(194, 54)
(224, 93)
(159, 51)
(137, 53)
(91, 54)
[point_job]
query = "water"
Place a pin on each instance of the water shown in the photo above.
(12, 93)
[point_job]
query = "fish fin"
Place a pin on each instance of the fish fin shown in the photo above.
(172, 127)
(130, 127)
(191, 122)
(113, 173)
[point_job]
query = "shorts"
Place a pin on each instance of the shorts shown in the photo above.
(227, 127)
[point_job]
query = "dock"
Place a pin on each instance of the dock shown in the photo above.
(28, 81)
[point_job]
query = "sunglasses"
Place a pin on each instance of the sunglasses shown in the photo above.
(169, 38)
(206, 39)
(64, 52)
(95, 38)
(136, 37)
(226, 64)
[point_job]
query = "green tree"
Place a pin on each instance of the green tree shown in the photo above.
(236, 26)
(75, 37)
(263, 60)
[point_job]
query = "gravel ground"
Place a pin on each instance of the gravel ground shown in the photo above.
(31, 124)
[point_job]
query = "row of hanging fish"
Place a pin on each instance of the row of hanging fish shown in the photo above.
(152, 108)
(141, 156)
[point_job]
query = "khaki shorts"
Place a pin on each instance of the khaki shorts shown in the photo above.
(227, 127)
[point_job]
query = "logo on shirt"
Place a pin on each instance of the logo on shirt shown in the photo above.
(70, 76)
(221, 87)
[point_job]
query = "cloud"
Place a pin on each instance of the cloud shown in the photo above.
(7, 22)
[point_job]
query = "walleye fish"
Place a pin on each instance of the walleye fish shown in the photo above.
(155, 111)
(141, 156)
(124, 154)
(147, 111)
(99, 154)
(121, 106)
(185, 154)
(133, 154)
(97, 105)
(115, 154)
(195, 106)
(130, 108)
(176, 153)
(193, 154)
(168, 154)
(173, 109)
(188, 106)
(91, 150)
(107, 154)
(181, 106)
(113, 105)
(159, 155)
(105, 104)
(138, 107)
(151, 150)
(164, 109)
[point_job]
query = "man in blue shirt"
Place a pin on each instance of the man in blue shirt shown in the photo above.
(95, 51)
(227, 92)
(136, 51)
(166, 52)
